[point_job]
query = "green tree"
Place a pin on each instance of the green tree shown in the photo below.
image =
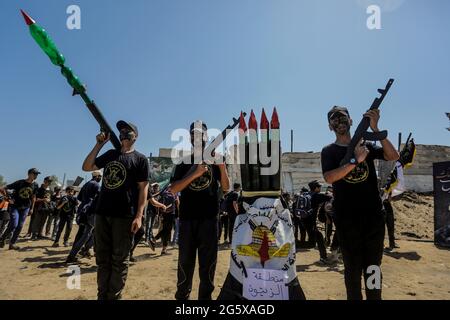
(55, 182)
(2, 181)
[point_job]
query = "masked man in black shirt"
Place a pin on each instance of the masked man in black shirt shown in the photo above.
(43, 207)
(67, 207)
(358, 211)
(315, 236)
(119, 209)
(21, 206)
(199, 209)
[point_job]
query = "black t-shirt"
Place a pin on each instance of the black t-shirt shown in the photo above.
(199, 200)
(88, 192)
(169, 200)
(41, 194)
(23, 193)
(151, 209)
(55, 198)
(119, 194)
(230, 198)
(358, 191)
(317, 199)
(70, 205)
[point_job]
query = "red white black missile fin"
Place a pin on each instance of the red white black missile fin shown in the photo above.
(274, 122)
(28, 20)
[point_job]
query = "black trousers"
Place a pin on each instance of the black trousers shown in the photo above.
(113, 241)
(166, 230)
(335, 242)
(30, 226)
(80, 232)
(314, 235)
(197, 236)
(4, 221)
(223, 226)
(231, 220)
(298, 228)
(137, 239)
(149, 221)
(361, 237)
(64, 220)
(328, 231)
(37, 227)
(390, 222)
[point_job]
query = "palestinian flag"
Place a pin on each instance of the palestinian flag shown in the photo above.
(407, 154)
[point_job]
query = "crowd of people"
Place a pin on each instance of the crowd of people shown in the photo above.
(118, 209)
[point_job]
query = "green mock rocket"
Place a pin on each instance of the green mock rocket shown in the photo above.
(48, 46)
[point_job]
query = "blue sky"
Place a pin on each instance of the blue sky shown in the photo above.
(162, 64)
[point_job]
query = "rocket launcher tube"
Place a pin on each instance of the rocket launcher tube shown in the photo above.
(243, 153)
(264, 152)
(275, 182)
(253, 152)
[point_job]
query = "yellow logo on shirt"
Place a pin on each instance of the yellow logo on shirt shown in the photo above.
(25, 193)
(67, 207)
(203, 182)
(359, 174)
(114, 175)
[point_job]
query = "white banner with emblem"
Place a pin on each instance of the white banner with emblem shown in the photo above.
(263, 238)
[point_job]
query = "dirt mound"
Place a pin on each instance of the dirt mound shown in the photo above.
(414, 216)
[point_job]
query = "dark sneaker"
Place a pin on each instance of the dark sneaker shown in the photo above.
(71, 259)
(152, 244)
(66, 244)
(2, 244)
(325, 261)
(55, 245)
(13, 247)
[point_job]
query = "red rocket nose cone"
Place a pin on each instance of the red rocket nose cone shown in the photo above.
(252, 124)
(28, 20)
(242, 124)
(274, 123)
(264, 121)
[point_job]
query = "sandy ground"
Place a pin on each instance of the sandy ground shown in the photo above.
(418, 270)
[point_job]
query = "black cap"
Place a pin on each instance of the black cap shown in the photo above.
(304, 190)
(48, 179)
(128, 125)
(314, 184)
(34, 170)
(196, 126)
(337, 109)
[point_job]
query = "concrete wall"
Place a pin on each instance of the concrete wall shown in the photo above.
(299, 168)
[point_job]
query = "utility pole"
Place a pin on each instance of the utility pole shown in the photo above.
(292, 140)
